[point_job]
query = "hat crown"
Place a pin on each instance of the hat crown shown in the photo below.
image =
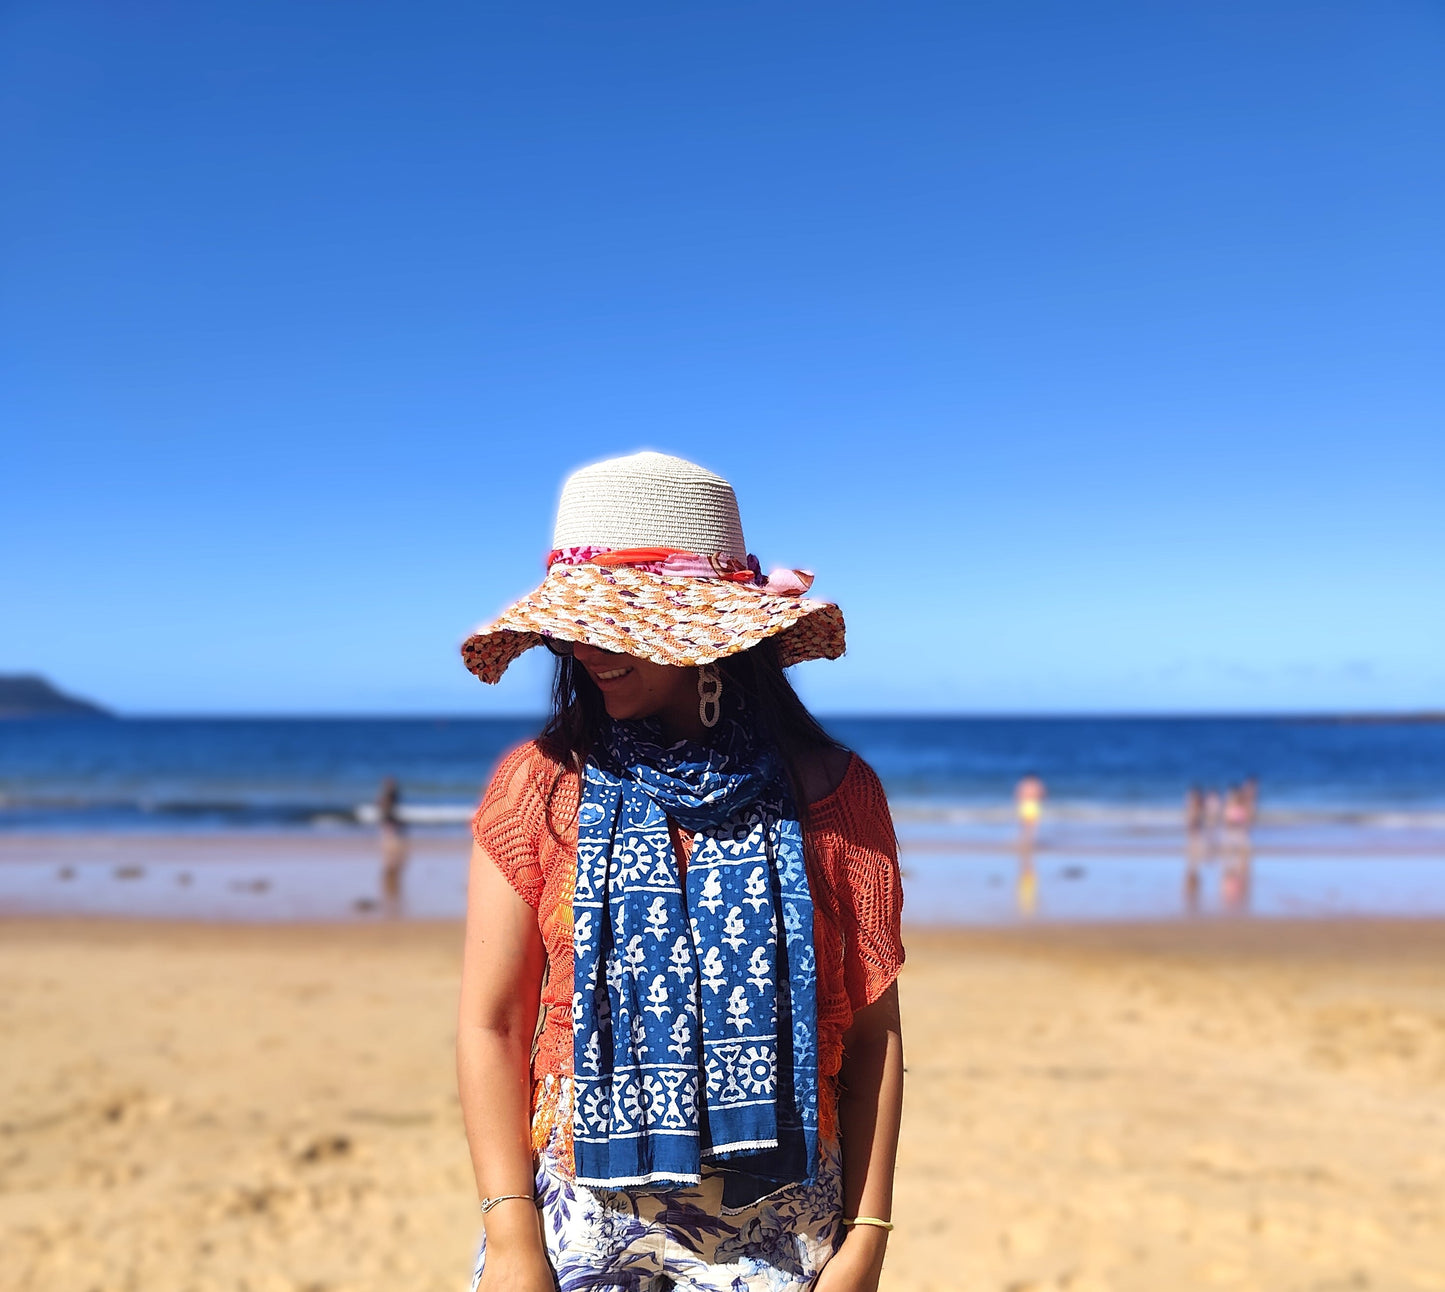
(650, 500)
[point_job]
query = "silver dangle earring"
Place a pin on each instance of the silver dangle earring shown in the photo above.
(709, 695)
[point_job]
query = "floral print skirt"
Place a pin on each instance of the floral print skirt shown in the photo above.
(600, 1240)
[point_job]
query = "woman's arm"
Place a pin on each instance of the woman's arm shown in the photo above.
(501, 988)
(870, 1106)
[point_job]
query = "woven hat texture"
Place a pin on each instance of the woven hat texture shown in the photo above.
(650, 500)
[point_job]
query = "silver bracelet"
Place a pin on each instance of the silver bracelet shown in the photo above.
(489, 1203)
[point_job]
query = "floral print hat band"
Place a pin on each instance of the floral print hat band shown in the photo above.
(648, 560)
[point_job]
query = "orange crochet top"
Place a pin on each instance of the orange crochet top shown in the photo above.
(851, 856)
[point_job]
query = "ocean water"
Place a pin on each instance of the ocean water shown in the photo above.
(273, 818)
(1127, 773)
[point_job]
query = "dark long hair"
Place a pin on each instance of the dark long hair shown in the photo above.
(754, 676)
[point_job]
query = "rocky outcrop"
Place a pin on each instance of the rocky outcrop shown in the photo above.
(27, 695)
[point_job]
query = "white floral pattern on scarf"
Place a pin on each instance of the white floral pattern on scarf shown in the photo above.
(694, 1012)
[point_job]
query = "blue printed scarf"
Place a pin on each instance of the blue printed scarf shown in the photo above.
(694, 1018)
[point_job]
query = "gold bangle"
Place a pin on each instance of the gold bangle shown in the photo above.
(868, 1220)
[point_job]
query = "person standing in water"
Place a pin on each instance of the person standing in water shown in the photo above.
(1236, 878)
(1029, 802)
(393, 838)
(1194, 847)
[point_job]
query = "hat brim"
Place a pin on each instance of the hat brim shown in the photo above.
(669, 620)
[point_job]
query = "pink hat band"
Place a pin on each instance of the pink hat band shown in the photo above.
(670, 561)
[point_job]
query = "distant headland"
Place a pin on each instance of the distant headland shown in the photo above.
(28, 695)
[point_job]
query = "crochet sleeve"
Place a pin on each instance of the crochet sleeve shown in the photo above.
(510, 822)
(870, 894)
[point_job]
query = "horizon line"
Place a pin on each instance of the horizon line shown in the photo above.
(1425, 715)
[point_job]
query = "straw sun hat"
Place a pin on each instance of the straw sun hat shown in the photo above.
(648, 559)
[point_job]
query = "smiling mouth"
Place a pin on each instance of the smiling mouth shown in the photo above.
(612, 673)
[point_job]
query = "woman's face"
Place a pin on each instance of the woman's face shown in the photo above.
(637, 688)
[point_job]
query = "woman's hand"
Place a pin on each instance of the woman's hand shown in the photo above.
(856, 1265)
(516, 1257)
(522, 1271)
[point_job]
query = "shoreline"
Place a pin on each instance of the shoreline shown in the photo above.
(1389, 936)
(359, 845)
(286, 877)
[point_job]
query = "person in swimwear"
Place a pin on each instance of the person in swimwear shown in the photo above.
(1029, 802)
(393, 839)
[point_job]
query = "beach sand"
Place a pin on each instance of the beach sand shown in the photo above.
(1148, 1107)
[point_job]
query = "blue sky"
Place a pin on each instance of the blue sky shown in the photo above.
(1091, 354)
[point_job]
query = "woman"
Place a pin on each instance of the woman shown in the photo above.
(678, 1050)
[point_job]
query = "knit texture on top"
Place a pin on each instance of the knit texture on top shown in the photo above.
(852, 863)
